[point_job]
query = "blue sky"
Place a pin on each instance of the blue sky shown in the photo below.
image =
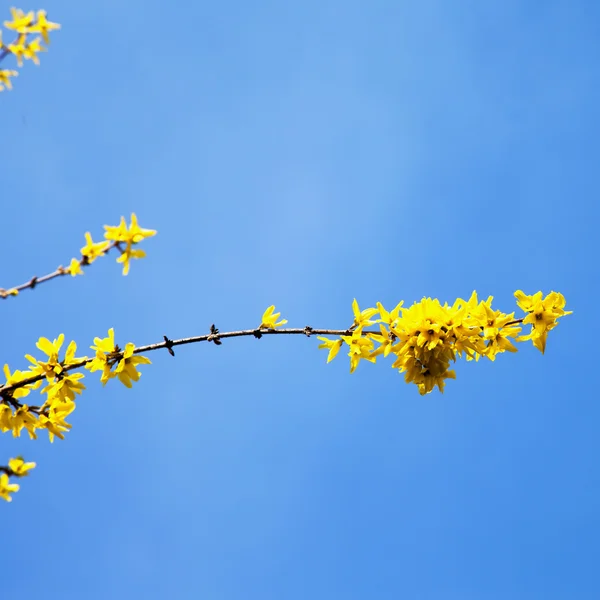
(305, 154)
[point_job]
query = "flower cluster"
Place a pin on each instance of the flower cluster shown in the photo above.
(425, 338)
(23, 47)
(17, 467)
(62, 386)
(122, 237)
(113, 237)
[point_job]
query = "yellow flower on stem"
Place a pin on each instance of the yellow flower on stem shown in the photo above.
(108, 355)
(55, 423)
(91, 251)
(24, 419)
(361, 318)
(17, 377)
(7, 488)
(543, 315)
(5, 75)
(43, 26)
(129, 236)
(19, 467)
(385, 339)
(32, 49)
(74, 267)
(332, 345)
(269, 319)
(132, 234)
(127, 255)
(21, 22)
(6, 415)
(18, 49)
(126, 369)
(53, 366)
(65, 387)
(360, 348)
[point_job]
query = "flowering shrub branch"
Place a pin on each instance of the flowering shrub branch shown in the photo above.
(421, 340)
(22, 48)
(120, 237)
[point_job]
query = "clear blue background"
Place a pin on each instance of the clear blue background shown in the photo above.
(303, 154)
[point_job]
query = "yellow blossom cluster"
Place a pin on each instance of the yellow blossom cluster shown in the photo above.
(114, 236)
(55, 377)
(23, 47)
(61, 385)
(425, 338)
(17, 467)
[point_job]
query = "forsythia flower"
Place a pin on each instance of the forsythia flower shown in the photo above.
(129, 236)
(7, 488)
(360, 348)
(126, 369)
(427, 336)
(23, 418)
(5, 75)
(543, 314)
(55, 422)
(5, 418)
(108, 354)
(32, 49)
(361, 318)
(20, 21)
(91, 251)
(19, 467)
(18, 50)
(43, 26)
(333, 346)
(269, 319)
(74, 268)
(17, 377)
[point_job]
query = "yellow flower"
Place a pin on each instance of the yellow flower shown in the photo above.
(20, 21)
(360, 348)
(385, 339)
(74, 267)
(269, 319)
(43, 26)
(361, 318)
(91, 251)
(109, 355)
(389, 318)
(65, 387)
(18, 50)
(333, 346)
(22, 418)
(127, 255)
(17, 377)
(543, 315)
(55, 423)
(5, 75)
(32, 49)
(131, 235)
(7, 488)
(126, 369)
(19, 467)
(52, 366)
(6, 415)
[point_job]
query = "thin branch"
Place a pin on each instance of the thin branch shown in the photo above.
(60, 271)
(215, 336)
